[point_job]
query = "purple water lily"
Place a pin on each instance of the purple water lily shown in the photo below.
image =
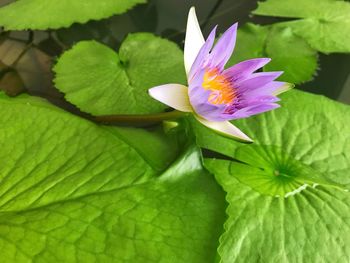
(214, 94)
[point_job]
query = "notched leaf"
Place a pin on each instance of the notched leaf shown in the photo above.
(100, 81)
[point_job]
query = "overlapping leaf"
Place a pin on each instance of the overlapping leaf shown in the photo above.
(73, 191)
(289, 192)
(41, 14)
(324, 24)
(288, 52)
(100, 81)
(307, 133)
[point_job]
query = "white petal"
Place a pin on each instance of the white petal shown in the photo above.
(173, 95)
(287, 86)
(194, 40)
(225, 128)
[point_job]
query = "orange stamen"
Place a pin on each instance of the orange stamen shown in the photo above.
(222, 90)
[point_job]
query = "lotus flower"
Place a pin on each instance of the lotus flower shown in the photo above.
(216, 95)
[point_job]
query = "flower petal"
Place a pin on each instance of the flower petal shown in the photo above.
(287, 86)
(225, 128)
(199, 99)
(201, 106)
(202, 56)
(194, 40)
(273, 88)
(257, 80)
(223, 49)
(173, 95)
(242, 70)
(254, 110)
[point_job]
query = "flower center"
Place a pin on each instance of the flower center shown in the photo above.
(222, 91)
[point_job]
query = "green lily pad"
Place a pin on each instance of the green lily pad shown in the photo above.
(53, 14)
(288, 52)
(309, 128)
(73, 191)
(271, 171)
(324, 24)
(101, 82)
(310, 224)
(288, 192)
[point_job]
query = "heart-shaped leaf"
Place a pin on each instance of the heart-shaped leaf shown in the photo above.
(100, 81)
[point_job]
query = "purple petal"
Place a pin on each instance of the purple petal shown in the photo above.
(199, 99)
(196, 93)
(287, 86)
(269, 89)
(259, 100)
(253, 110)
(202, 55)
(245, 68)
(211, 112)
(223, 49)
(257, 80)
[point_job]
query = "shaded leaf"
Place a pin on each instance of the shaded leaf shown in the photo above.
(324, 24)
(145, 17)
(288, 52)
(92, 30)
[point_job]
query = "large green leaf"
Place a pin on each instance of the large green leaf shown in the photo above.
(288, 52)
(310, 128)
(325, 24)
(73, 191)
(288, 194)
(100, 81)
(42, 14)
(311, 224)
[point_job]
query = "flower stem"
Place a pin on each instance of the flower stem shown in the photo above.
(138, 119)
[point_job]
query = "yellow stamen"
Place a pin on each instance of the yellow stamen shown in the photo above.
(222, 90)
